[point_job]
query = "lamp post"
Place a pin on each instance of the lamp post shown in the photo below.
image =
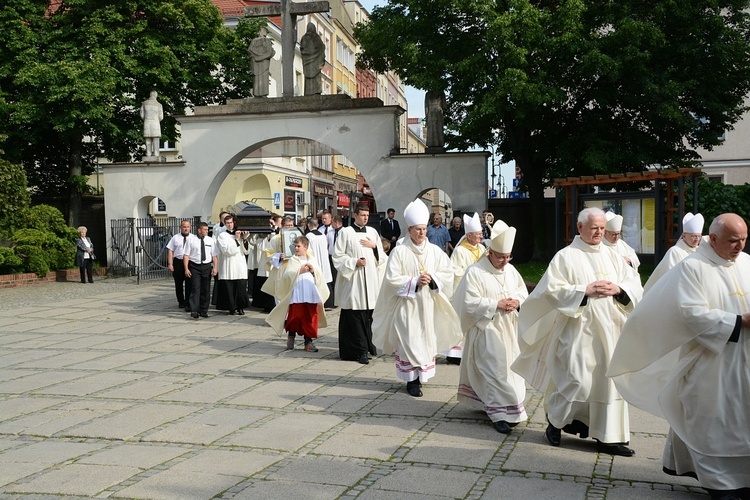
(492, 150)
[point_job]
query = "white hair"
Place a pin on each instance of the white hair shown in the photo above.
(587, 213)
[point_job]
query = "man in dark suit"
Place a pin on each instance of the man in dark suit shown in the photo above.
(389, 228)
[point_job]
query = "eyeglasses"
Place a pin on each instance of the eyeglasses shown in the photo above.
(614, 233)
(499, 256)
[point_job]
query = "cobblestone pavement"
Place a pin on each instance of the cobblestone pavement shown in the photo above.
(108, 390)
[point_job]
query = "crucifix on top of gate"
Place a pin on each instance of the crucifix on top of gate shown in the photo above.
(289, 11)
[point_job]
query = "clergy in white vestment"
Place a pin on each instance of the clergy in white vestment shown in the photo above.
(694, 372)
(319, 249)
(692, 229)
(487, 301)
(301, 293)
(357, 256)
(254, 241)
(275, 252)
(568, 328)
(414, 318)
(613, 239)
(261, 299)
(231, 289)
(469, 249)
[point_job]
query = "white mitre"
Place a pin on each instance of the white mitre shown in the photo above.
(503, 238)
(416, 213)
(472, 224)
(692, 223)
(614, 222)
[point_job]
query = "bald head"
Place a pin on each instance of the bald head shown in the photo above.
(728, 235)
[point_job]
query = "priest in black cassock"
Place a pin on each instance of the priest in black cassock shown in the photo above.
(358, 257)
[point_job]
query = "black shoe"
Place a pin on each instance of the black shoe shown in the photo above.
(240, 312)
(204, 315)
(194, 314)
(231, 313)
(90, 281)
(553, 435)
(453, 361)
(413, 388)
(181, 305)
(363, 360)
(619, 450)
(502, 427)
(577, 427)
(724, 494)
(187, 309)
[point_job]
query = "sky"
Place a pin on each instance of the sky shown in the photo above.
(415, 98)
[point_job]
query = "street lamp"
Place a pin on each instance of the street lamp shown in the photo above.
(502, 188)
(493, 175)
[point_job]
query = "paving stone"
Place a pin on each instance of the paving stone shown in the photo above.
(90, 384)
(452, 484)
(13, 407)
(48, 453)
(517, 487)
(75, 479)
(275, 394)
(142, 456)
(322, 470)
(174, 485)
(300, 488)
(451, 453)
(204, 428)
(131, 422)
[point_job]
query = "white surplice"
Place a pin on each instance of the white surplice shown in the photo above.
(357, 287)
(294, 287)
(319, 249)
(566, 347)
(491, 341)
(416, 322)
(689, 373)
(231, 253)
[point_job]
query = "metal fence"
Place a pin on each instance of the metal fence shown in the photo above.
(139, 246)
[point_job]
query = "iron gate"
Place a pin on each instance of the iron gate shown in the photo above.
(139, 246)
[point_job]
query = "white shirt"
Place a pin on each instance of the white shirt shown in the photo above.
(193, 250)
(179, 243)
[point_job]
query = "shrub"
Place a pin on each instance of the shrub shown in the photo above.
(32, 239)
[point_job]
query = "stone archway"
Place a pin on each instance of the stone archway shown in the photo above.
(216, 138)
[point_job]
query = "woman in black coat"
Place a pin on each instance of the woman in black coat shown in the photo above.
(85, 255)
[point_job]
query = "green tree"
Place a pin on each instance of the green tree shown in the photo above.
(572, 87)
(715, 198)
(73, 75)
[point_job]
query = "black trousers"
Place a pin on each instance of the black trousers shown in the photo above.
(87, 269)
(201, 287)
(182, 284)
(330, 303)
(355, 334)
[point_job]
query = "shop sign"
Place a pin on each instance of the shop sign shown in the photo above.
(343, 200)
(323, 189)
(293, 181)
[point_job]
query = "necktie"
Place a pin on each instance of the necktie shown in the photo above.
(326, 231)
(203, 251)
(184, 241)
(391, 224)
